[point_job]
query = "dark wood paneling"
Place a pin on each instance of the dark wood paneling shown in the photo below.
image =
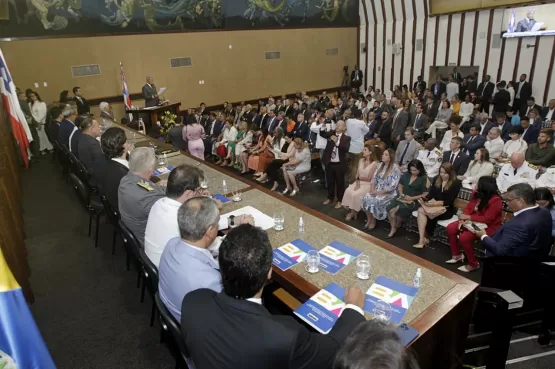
(375, 17)
(534, 58)
(435, 41)
(426, 20)
(517, 58)
(448, 39)
(488, 44)
(501, 55)
(384, 45)
(114, 99)
(474, 36)
(549, 74)
(403, 36)
(461, 33)
(413, 44)
(393, 41)
(364, 7)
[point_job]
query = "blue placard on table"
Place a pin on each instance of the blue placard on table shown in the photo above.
(162, 170)
(291, 254)
(323, 309)
(221, 197)
(406, 333)
(337, 256)
(398, 295)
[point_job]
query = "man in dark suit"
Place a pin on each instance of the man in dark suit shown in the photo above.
(527, 233)
(504, 125)
(548, 113)
(484, 93)
(501, 99)
(82, 104)
(210, 321)
(335, 161)
(473, 141)
(88, 147)
(53, 126)
(67, 126)
(356, 78)
(420, 122)
(270, 122)
(384, 133)
(400, 122)
(374, 124)
(149, 93)
(431, 108)
(526, 24)
(529, 106)
(301, 129)
(484, 124)
(456, 157)
(420, 84)
(523, 91)
(438, 88)
(457, 77)
(113, 166)
(530, 134)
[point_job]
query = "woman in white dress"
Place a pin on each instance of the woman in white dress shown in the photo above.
(479, 167)
(299, 164)
(515, 144)
(38, 110)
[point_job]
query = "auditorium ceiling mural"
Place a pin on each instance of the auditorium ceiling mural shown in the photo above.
(40, 18)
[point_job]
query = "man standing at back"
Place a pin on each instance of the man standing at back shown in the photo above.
(356, 129)
(232, 329)
(82, 103)
(149, 93)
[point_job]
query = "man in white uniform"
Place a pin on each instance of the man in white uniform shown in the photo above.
(517, 171)
(430, 157)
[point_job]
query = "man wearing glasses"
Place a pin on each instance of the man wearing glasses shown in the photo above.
(527, 233)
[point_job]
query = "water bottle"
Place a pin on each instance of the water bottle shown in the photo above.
(417, 278)
(224, 187)
(301, 225)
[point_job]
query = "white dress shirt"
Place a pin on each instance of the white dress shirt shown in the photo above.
(122, 162)
(512, 94)
(316, 128)
(550, 116)
(513, 146)
(444, 146)
(451, 89)
(466, 110)
(356, 129)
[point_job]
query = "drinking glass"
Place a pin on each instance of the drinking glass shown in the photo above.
(313, 261)
(236, 195)
(161, 160)
(204, 183)
(382, 311)
(278, 221)
(363, 266)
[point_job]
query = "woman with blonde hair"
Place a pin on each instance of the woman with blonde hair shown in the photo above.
(439, 204)
(300, 163)
(371, 158)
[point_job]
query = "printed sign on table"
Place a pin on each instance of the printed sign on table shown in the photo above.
(323, 309)
(291, 254)
(398, 295)
(162, 170)
(337, 256)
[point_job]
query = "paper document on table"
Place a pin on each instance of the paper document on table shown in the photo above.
(536, 27)
(260, 219)
(161, 91)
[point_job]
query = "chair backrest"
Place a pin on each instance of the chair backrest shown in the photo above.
(151, 272)
(111, 213)
(64, 157)
(170, 325)
(82, 189)
(130, 241)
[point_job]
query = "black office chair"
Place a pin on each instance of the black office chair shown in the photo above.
(113, 217)
(93, 206)
(64, 162)
(171, 328)
(150, 281)
(132, 247)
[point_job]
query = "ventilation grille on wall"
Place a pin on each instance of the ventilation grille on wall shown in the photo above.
(85, 70)
(181, 62)
(332, 51)
(419, 44)
(272, 55)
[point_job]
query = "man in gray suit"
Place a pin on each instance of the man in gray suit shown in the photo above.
(408, 150)
(149, 93)
(400, 122)
(526, 24)
(137, 193)
(420, 123)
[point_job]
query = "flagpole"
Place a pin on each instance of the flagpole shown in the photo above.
(125, 92)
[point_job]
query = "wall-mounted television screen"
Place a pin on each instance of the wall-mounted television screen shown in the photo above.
(530, 21)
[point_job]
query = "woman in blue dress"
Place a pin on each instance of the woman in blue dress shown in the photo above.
(382, 190)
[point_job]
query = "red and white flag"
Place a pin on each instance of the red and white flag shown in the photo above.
(20, 127)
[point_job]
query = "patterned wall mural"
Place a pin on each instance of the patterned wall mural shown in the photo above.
(39, 18)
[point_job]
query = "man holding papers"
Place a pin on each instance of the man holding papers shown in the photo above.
(232, 329)
(149, 93)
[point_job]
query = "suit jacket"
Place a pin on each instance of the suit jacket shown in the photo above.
(373, 128)
(148, 93)
(222, 332)
(421, 85)
(524, 108)
(400, 123)
(544, 112)
(420, 124)
(489, 125)
(472, 146)
(218, 128)
(355, 74)
(431, 112)
(289, 111)
(384, 134)
(109, 174)
(501, 101)
(526, 234)
(176, 138)
(505, 130)
(53, 128)
(90, 154)
(301, 130)
(271, 123)
(437, 89)
(412, 152)
(485, 91)
(461, 161)
(525, 91)
(531, 135)
(456, 77)
(264, 120)
(525, 25)
(66, 128)
(342, 148)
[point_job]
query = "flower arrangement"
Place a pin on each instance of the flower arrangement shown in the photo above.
(167, 123)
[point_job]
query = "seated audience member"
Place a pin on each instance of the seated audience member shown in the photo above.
(299, 164)
(466, 110)
(301, 129)
(473, 141)
(193, 133)
(527, 233)
(542, 153)
(137, 193)
(544, 199)
(229, 134)
(535, 119)
(254, 152)
(441, 119)
(88, 147)
(484, 124)
(256, 141)
(455, 105)
(479, 167)
(547, 179)
(114, 165)
(373, 345)
(504, 125)
(183, 184)
(335, 161)
(275, 167)
(69, 133)
(515, 144)
(456, 157)
(431, 108)
(486, 207)
(407, 150)
(352, 199)
(430, 157)
(211, 320)
(494, 144)
(233, 145)
(243, 144)
(274, 143)
(517, 171)
(413, 186)
(530, 134)
(548, 113)
(454, 131)
(53, 125)
(513, 118)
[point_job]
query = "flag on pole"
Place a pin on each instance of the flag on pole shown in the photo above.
(20, 127)
(21, 344)
(126, 97)
(512, 21)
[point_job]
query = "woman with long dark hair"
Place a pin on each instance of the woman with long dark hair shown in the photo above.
(486, 208)
(65, 97)
(544, 199)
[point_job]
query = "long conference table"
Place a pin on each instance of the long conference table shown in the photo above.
(442, 309)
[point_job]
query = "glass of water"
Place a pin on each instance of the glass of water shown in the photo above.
(161, 160)
(278, 222)
(204, 183)
(363, 266)
(382, 311)
(313, 261)
(236, 195)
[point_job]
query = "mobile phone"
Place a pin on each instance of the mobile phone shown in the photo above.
(475, 227)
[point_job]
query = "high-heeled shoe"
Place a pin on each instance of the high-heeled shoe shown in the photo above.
(468, 268)
(263, 177)
(455, 259)
(274, 187)
(422, 245)
(284, 192)
(294, 192)
(391, 233)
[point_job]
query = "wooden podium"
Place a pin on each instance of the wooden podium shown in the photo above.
(155, 112)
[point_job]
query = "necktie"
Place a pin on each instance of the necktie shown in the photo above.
(429, 152)
(416, 120)
(514, 172)
(404, 153)
(452, 158)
